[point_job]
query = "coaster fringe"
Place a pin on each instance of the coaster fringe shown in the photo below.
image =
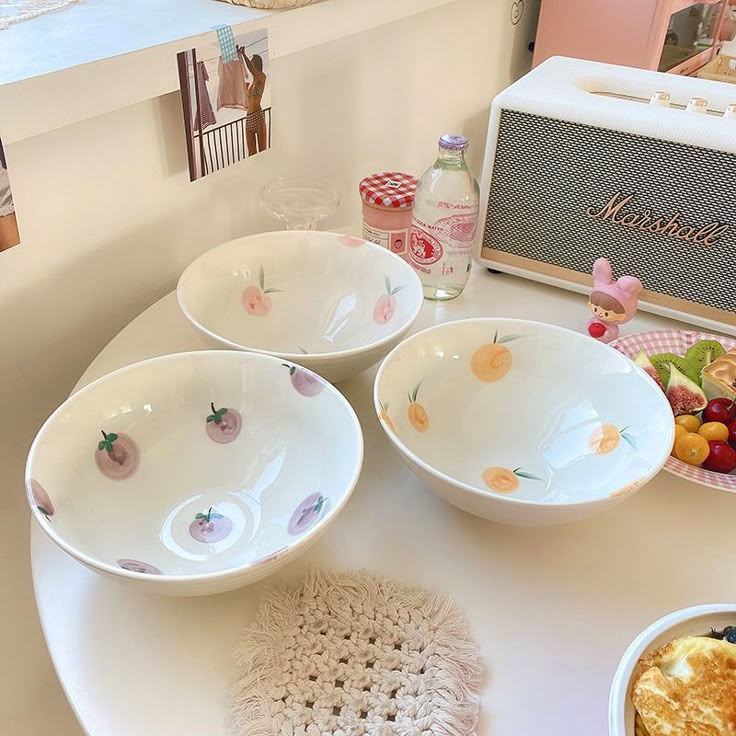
(260, 653)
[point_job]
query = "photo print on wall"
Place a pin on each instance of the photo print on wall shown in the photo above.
(8, 223)
(226, 97)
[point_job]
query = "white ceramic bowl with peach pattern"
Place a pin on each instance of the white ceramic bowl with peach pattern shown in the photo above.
(522, 422)
(333, 303)
(195, 473)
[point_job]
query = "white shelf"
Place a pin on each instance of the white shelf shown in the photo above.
(101, 55)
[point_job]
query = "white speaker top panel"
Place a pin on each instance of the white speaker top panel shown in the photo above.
(617, 98)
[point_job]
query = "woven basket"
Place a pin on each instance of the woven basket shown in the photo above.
(272, 4)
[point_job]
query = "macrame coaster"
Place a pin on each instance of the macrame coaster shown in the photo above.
(353, 654)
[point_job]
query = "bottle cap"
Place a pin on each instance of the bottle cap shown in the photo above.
(453, 142)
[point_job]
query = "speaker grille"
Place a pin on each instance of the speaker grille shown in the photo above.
(548, 172)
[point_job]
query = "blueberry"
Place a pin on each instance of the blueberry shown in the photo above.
(730, 634)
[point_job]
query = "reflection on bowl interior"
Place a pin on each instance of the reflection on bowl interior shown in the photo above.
(539, 421)
(195, 503)
(301, 292)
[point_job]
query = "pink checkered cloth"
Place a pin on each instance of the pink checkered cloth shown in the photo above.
(678, 341)
(389, 189)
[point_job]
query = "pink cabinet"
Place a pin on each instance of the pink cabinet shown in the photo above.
(677, 36)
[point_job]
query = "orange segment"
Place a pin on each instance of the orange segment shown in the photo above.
(418, 417)
(502, 480)
(627, 489)
(604, 439)
(387, 421)
(491, 362)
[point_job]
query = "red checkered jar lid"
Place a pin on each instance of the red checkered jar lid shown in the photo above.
(391, 189)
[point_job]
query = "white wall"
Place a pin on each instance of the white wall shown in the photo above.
(108, 220)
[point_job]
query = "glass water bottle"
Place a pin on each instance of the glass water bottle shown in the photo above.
(444, 221)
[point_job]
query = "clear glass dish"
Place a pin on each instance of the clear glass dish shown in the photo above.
(300, 202)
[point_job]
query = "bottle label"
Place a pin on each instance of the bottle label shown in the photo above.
(395, 240)
(425, 248)
(458, 229)
(447, 237)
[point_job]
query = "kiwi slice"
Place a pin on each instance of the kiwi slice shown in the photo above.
(663, 361)
(703, 353)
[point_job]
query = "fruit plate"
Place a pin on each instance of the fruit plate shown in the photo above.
(678, 341)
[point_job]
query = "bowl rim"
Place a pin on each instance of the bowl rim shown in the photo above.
(235, 571)
(479, 492)
(314, 358)
(625, 669)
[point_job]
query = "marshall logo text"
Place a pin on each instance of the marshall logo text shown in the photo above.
(646, 222)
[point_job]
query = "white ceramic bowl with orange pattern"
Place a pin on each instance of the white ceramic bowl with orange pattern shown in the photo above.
(195, 473)
(333, 303)
(522, 422)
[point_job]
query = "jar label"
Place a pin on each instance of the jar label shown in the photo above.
(393, 240)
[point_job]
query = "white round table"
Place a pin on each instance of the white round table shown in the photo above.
(553, 608)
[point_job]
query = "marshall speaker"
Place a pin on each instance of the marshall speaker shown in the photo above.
(579, 165)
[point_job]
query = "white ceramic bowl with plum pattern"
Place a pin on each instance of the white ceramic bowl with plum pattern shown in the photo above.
(522, 422)
(195, 473)
(333, 303)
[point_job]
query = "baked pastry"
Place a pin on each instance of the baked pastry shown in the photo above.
(688, 688)
(719, 377)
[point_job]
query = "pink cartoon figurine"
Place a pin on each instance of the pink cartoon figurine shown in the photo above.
(612, 302)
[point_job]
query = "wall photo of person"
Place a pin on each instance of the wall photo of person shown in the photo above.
(8, 223)
(226, 99)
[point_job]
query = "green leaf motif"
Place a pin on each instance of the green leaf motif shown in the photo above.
(201, 516)
(396, 290)
(43, 511)
(522, 474)
(320, 503)
(218, 415)
(629, 439)
(111, 437)
(261, 277)
(101, 445)
(387, 281)
(508, 338)
(415, 393)
(272, 291)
